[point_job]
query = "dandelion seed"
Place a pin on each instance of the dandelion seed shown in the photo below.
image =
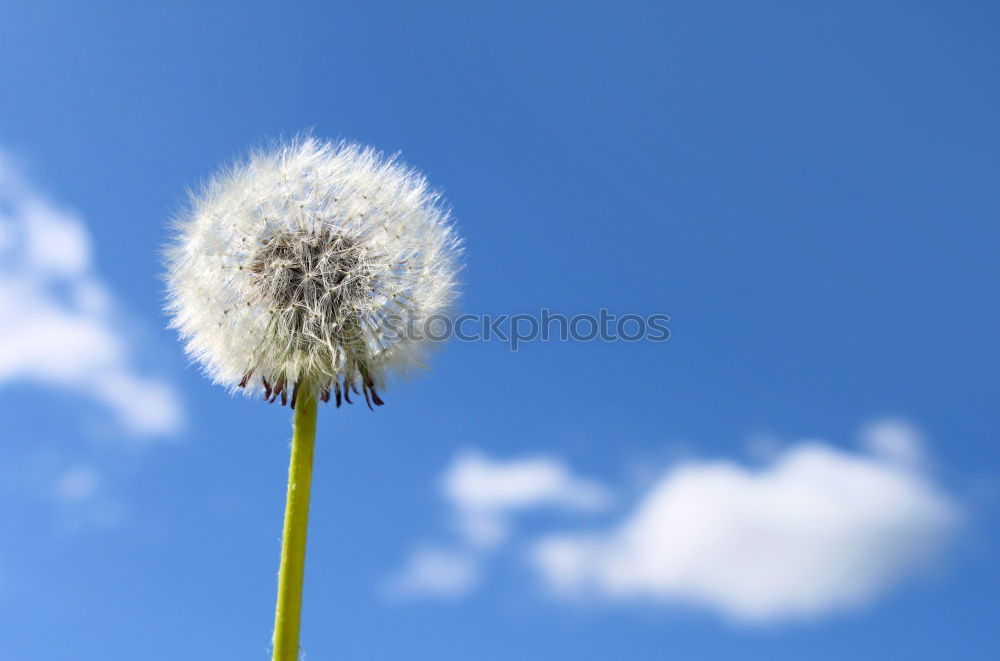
(302, 265)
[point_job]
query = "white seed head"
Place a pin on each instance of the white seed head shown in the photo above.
(305, 264)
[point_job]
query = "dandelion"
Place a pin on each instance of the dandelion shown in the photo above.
(294, 274)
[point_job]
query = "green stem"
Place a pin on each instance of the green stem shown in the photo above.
(293, 544)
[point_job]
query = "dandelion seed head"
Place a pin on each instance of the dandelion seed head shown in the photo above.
(305, 264)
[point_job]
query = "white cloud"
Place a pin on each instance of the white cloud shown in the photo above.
(807, 531)
(816, 531)
(58, 325)
(475, 481)
(484, 492)
(896, 440)
(435, 572)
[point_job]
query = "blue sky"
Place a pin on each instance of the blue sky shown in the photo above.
(809, 191)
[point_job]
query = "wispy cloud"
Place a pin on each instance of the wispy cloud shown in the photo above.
(77, 484)
(83, 501)
(813, 531)
(483, 494)
(59, 324)
(433, 571)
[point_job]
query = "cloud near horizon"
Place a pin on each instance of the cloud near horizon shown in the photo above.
(814, 531)
(59, 324)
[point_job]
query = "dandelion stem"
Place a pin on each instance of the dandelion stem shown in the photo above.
(293, 545)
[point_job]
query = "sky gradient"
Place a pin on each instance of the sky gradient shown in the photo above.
(807, 468)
